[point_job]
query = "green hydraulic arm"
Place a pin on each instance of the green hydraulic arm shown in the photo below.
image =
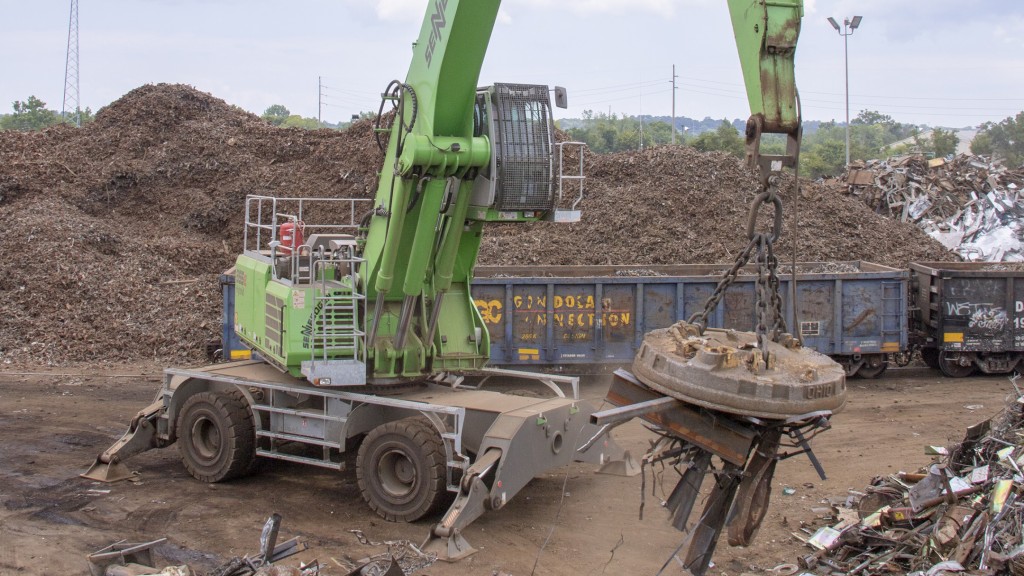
(766, 35)
(456, 157)
(423, 195)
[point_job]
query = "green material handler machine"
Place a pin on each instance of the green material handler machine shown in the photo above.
(363, 328)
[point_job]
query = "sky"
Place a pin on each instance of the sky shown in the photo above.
(950, 63)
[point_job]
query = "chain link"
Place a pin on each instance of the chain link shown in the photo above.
(779, 325)
(701, 319)
(771, 322)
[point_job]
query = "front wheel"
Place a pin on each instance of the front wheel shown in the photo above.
(949, 363)
(216, 436)
(401, 469)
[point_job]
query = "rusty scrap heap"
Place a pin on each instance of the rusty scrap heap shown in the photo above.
(971, 204)
(962, 515)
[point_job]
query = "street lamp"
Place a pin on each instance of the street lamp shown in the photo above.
(849, 25)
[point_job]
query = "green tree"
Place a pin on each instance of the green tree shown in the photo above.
(276, 114)
(892, 129)
(296, 121)
(982, 144)
(872, 117)
(1005, 138)
(657, 133)
(85, 116)
(825, 158)
(725, 138)
(29, 115)
(944, 142)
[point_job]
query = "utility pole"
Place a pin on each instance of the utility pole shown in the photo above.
(319, 99)
(674, 103)
(71, 99)
(849, 25)
(641, 122)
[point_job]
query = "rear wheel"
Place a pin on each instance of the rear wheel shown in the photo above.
(401, 469)
(216, 436)
(949, 363)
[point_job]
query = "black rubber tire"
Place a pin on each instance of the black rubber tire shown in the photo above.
(951, 368)
(401, 470)
(930, 356)
(216, 436)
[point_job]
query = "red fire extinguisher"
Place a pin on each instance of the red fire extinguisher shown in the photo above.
(290, 234)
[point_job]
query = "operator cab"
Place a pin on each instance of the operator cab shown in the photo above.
(524, 180)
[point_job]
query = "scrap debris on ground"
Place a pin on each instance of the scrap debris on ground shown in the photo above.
(121, 227)
(399, 557)
(962, 515)
(973, 205)
(136, 559)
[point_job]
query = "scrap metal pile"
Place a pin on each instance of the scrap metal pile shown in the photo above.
(971, 204)
(962, 515)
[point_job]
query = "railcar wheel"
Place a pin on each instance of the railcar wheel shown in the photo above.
(873, 368)
(949, 363)
(401, 470)
(216, 436)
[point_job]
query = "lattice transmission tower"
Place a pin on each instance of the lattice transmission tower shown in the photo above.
(72, 105)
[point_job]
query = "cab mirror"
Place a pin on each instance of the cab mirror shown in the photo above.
(561, 97)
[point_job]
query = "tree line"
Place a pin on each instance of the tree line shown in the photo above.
(823, 148)
(32, 114)
(822, 153)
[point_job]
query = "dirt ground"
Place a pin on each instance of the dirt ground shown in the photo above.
(53, 425)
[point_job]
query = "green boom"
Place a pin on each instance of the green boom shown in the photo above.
(420, 249)
(766, 34)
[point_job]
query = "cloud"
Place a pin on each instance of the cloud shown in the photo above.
(906, 22)
(659, 7)
(1011, 31)
(400, 10)
(406, 10)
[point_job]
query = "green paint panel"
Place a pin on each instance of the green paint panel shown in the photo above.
(766, 36)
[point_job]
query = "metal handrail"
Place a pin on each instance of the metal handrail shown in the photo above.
(263, 215)
(562, 176)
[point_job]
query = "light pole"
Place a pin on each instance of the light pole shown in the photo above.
(849, 25)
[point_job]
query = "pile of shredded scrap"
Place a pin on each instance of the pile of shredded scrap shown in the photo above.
(117, 231)
(964, 514)
(973, 205)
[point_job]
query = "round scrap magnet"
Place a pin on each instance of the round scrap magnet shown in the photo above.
(725, 370)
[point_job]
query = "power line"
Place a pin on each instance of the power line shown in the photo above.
(617, 87)
(620, 98)
(732, 87)
(361, 93)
